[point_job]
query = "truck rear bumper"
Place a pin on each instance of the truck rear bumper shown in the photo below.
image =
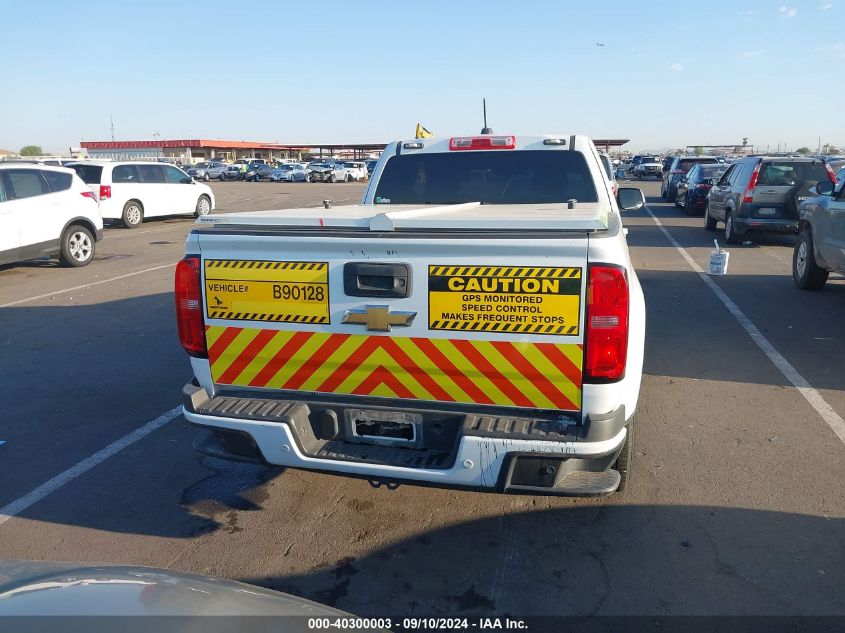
(578, 464)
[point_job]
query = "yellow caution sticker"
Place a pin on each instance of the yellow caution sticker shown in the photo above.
(514, 299)
(290, 292)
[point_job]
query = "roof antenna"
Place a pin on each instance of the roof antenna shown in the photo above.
(485, 129)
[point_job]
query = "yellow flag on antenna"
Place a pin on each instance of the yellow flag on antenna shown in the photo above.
(422, 132)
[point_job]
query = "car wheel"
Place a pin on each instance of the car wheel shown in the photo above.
(677, 202)
(222, 177)
(348, 178)
(709, 222)
(206, 177)
(77, 248)
(671, 194)
(625, 460)
(256, 178)
(662, 191)
(806, 273)
(203, 206)
(133, 214)
(331, 177)
(731, 236)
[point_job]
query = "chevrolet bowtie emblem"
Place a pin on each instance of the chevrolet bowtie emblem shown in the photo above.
(378, 318)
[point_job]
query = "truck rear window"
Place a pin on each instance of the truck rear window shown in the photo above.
(494, 177)
(90, 174)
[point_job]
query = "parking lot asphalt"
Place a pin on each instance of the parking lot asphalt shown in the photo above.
(735, 506)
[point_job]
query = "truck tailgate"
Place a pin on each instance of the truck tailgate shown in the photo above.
(459, 320)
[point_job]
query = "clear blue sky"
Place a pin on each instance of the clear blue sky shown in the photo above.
(305, 71)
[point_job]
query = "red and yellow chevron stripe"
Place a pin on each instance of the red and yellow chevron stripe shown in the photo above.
(503, 373)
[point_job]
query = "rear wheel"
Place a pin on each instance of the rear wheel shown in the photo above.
(806, 273)
(670, 194)
(77, 248)
(222, 177)
(731, 236)
(709, 222)
(331, 177)
(677, 202)
(133, 214)
(206, 177)
(624, 461)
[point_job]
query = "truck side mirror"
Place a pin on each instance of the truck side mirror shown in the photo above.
(630, 199)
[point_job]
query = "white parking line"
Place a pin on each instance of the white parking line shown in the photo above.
(93, 283)
(827, 413)
(22, 503)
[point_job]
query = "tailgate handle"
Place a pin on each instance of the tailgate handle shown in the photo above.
(377, 280)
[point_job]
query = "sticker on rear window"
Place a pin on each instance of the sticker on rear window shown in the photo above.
(513, 299)
(288, 292)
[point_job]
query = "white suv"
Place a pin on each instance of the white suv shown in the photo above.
(356, 170)
(46, 211)
(132, 191)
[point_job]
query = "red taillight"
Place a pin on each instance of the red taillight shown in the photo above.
(749, 191)
(678, 172)
(189, 317)
(458, 143)
(88, 194)
(830, 173)
(606, 344)
(105, 192)
(702, 186)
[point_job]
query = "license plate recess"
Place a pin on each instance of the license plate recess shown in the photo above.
(384, 428)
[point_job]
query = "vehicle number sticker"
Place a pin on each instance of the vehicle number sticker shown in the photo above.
(514, 299)
(291, 292)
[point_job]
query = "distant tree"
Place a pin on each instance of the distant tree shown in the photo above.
(744, 141)
(827, 148)
(698, 151)
(803, 150)
(32, 150)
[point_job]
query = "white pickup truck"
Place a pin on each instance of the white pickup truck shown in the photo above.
(474, 322)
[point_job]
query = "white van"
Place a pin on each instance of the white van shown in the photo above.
(132, 191)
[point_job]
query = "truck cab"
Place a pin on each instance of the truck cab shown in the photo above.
(475, 321)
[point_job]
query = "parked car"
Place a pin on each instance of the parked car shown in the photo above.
(607, 163)
(356, 170)
(289, 172)
(133, 191)
(258, 171)
(328, 172)
(648, 167)
(207, 171)
(762, 193)
(693, 188)
(233, 172)
(677, 170)
(47, 211)
(820, 249)
(62, 593)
